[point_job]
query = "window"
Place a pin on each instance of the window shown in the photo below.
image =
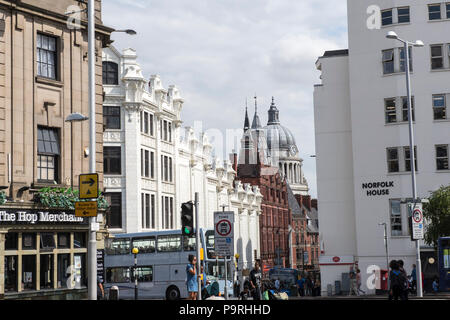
(118, 275)
(10, 273)
(188, 243)
(147, 164)
(167, 212)
(405, 109)
(111, 117)
(46, 269)
(442, 157)
(407, 154)
(144, 274)
(388, 61)
(396, 218)
(47, 241)
(110, 73)
(166, 169)
(171, 243)
(439, 107)
(403, 59)
(12, 241)
(148, 211)
(79, 240)
(48, 152)
(437, 57)
(118, 246)
(447, 7)
(112, 160)
(145, 245)
(434, 11)
(403, 15)
(115, 209)
(29, 272)
(166, 131)
(63, 240)
(28, 241)
(393, 161)
(147, 123)
(46, 56)
(386, 17)
(390, 110)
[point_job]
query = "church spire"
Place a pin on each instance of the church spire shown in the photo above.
(247, 121)
(256, 124)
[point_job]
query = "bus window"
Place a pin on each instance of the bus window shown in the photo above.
(170, 243)
(145, 245)
(118, 246)
(144, 274)
(189, 243)
(118, 275)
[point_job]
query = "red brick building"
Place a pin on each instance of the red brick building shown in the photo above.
(275, 217)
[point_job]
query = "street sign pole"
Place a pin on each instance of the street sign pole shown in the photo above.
(197, 246)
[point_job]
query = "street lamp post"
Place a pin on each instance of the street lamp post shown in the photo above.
(386, 246)
(418, 43)
(135, 251)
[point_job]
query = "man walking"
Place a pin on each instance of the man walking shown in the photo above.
(255, 282)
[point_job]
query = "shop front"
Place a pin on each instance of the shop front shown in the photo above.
(43, 254)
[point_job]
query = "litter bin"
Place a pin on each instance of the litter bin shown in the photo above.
(329, 290)
(114, 293)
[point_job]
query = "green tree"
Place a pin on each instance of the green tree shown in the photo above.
(437, 213)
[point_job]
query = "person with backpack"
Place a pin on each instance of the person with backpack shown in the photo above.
(406, 286)
(397, 280)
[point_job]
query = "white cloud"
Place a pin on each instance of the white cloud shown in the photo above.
(219, 52)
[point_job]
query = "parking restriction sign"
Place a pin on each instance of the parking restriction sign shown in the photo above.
(417, 221)
(224, 233)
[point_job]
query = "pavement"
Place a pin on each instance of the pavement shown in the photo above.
(438, 296)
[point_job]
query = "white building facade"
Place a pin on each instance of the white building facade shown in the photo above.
(362, 137)
(152, 165)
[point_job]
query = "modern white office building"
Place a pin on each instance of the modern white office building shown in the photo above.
(362, 137)
(152, 164)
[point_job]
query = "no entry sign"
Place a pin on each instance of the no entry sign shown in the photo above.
(224, 233)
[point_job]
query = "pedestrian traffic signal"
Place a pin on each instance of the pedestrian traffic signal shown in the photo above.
(187, 218)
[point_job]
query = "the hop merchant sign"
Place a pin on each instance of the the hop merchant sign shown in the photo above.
(417, 221)
(224, 233)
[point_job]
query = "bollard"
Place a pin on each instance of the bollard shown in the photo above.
(114, 293)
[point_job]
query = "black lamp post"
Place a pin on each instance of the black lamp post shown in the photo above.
(135, 251)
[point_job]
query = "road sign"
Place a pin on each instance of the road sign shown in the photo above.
(88, 184)
(417, 221)
(224, 233)
(86, 209)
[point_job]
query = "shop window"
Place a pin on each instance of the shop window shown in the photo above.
(63, 240)
(79, 240)
(63, 270)
(46, 274)
(47, 241)
(11, 241)
(29, 241)
(79, 261)
(10, 273)
(29, 272)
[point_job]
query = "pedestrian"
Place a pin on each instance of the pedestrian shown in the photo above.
(358, 282)
(255, 282)
(414, 278)
(191, 282)
(309, 286)
(277, 284)
(406, 285)
(244, 295)
(100, 289)
(317, 288)
(436, 285)
(301, 286)
(397, 280)
(353, 285)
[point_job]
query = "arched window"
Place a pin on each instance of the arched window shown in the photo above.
(110, 73)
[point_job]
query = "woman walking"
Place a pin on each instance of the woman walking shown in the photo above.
(191, 282)
(358, 282)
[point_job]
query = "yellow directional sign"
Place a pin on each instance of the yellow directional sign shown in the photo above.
(86, 209)
(88, 184)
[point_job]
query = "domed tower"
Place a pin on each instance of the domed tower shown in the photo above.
(283, 152)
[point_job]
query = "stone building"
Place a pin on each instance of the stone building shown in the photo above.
(43, 79)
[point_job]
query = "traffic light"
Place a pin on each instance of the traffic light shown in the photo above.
(187, 218)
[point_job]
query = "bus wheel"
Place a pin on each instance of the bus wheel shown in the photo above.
(172, 293)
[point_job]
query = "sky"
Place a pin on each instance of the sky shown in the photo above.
(221, 52)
